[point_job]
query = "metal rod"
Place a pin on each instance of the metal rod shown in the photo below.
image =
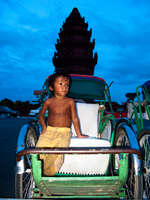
(78, 150)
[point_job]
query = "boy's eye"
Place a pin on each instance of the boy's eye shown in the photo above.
(60, 83)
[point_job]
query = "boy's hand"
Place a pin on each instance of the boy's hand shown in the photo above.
(82, 136)
(43, 131)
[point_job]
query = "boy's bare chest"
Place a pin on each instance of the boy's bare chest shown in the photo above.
(59, 108)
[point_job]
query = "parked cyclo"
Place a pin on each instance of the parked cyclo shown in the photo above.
(110, 163)
(139, 119)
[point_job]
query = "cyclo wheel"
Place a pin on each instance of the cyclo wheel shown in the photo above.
(24, 183)
(144, 142)
(133, 184)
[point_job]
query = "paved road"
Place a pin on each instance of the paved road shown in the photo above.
(9, 130)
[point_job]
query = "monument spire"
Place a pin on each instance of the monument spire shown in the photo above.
(74, 50)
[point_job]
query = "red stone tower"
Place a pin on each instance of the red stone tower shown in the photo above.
(74, 50)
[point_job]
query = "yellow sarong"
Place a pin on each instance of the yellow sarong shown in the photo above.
(53, 137)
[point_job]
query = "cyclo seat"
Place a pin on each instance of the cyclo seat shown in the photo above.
(87, 164)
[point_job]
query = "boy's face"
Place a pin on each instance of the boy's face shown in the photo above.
(61, 86)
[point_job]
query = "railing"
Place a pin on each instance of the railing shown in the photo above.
(77, 150)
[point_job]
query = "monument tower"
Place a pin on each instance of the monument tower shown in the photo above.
(74, 50)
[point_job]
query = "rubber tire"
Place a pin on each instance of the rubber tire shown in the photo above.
(18, 186)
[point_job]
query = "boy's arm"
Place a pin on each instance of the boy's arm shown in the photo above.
(41, 116)
(75, 121)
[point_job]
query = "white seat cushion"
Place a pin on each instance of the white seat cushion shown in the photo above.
(88, 118)
(86, 164)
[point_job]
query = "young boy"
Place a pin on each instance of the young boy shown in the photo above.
(61, 114)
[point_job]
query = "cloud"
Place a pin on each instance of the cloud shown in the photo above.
(29, 30)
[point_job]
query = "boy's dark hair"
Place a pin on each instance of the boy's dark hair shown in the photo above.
(53, 77)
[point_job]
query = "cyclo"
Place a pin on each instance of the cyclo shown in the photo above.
(139, 120)
(107, 164)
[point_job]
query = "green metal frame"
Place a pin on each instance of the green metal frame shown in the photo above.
(137, 116)
(79, 186)
(104, 119)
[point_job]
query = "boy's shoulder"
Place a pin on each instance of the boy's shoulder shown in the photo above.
(70, 99)
(48, 100)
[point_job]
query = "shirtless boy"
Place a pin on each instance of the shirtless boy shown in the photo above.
(61, 113)
(61, 109)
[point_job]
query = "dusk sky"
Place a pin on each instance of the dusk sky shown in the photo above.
(29, 30)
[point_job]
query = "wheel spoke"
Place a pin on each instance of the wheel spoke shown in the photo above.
(24, 182)
(144, 142)
(28, 185)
